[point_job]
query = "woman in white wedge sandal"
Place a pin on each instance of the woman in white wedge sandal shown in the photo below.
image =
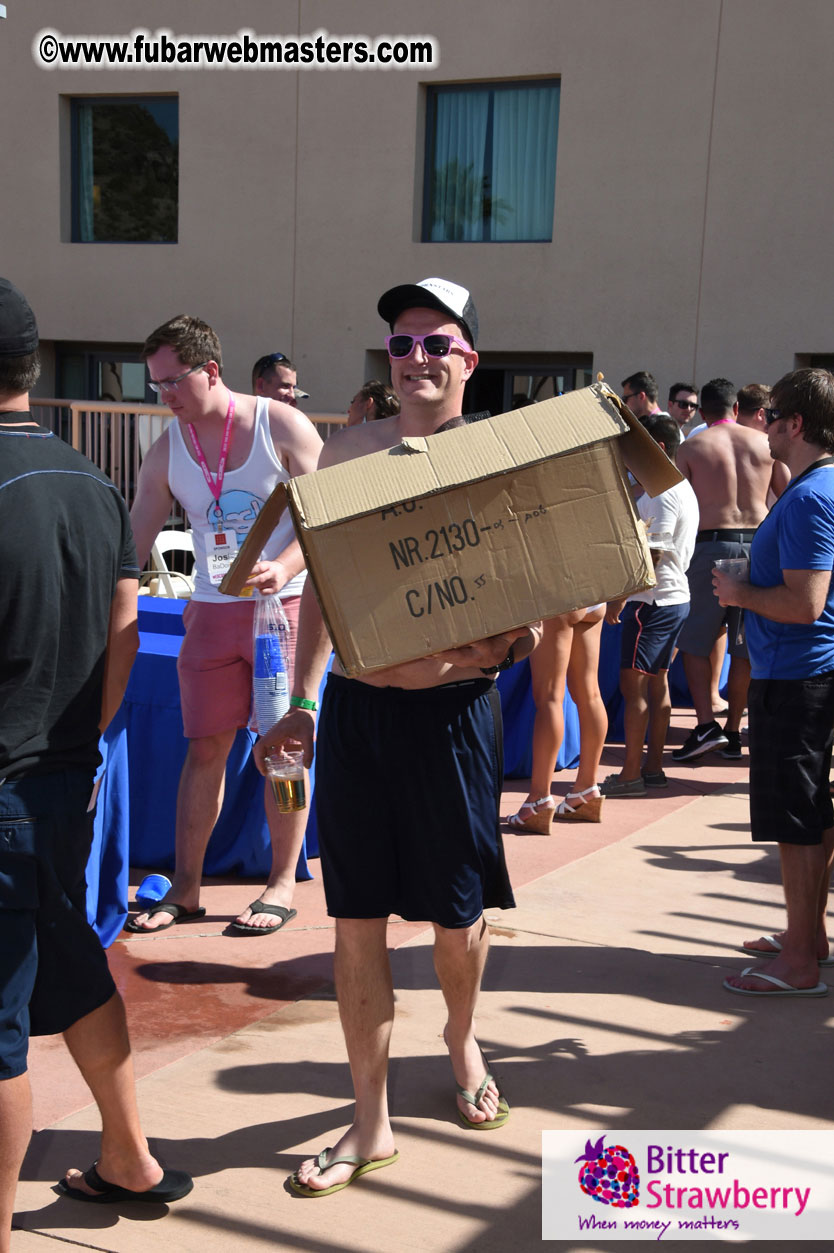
(568, 653)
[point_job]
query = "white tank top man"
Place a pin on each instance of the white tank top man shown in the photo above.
(221, 459)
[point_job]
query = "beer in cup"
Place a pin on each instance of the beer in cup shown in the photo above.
(286, 775)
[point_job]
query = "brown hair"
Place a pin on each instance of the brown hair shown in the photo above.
(386, 401)
(752, 397)
(192, 340)
(642, 381)
(809, 392)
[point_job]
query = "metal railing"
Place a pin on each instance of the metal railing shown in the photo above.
(116, 436)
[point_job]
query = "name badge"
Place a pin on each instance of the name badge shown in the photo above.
(221, 550)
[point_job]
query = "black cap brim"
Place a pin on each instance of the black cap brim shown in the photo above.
(412, 296)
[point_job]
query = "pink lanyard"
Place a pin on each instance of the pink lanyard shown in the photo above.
(215, 486)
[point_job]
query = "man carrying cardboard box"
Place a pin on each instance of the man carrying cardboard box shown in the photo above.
(409, 778)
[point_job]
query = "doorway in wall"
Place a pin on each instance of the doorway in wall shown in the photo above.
(501, 388)
(101, 372)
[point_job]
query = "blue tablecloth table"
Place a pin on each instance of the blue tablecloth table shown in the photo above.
(144, 749)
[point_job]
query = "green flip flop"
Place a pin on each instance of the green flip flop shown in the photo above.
(363, 1166)
(474, 1098)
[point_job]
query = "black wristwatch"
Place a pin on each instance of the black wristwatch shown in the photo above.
(508, 661)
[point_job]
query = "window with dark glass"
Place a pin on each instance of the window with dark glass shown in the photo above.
(491, 161)
(125, 169)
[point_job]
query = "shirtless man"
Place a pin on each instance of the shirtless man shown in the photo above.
(221, 459)
(415, 831)
(731, 472)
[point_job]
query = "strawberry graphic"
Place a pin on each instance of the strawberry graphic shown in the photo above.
(609, 1175)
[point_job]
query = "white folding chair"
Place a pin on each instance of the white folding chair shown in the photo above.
(160, 575)
(149, 427)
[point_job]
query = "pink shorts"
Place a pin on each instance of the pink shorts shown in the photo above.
(215, 664)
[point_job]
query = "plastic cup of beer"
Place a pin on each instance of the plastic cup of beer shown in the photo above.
(738, 567)
(286, 775)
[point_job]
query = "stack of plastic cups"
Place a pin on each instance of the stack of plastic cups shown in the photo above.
(270, 687)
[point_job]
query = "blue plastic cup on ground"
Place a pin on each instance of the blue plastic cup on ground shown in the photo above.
(152, 889)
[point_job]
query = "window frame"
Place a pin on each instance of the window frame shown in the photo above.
(75, 102)
(433, 92)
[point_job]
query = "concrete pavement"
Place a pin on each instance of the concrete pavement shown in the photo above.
(602, 1010)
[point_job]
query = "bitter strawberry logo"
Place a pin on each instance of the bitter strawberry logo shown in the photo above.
(609, 1175)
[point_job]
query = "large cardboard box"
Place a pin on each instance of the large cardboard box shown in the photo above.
(457, 536)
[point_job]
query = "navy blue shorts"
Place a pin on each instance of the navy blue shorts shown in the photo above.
(408, 785)
(53, 969)
(649, 635)
(791, 735)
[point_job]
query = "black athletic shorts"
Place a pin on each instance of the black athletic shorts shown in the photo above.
(408, 785)
(791, 735)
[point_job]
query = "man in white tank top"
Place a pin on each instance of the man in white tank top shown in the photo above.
(220, 459)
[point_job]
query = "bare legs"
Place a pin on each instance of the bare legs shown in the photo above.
(100, 1048)
(459, 960)
(15, 1132)
(806, 873)
(737, 684)
(660, 713)
(583, 685)
(286, 835)
(646, 704)
(199, 801)
(716, 665)
(699, 677)
(549, 671)
(634, 685)
(366, 1009)
(568, 654)
(286, 831)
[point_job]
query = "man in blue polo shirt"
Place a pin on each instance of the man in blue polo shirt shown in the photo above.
(790, 636)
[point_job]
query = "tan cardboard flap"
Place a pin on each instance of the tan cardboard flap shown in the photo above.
(465, 454)
(646, 461)
(451, 537)
(255, 542)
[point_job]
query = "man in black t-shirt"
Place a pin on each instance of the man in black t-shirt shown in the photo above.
(68, 626)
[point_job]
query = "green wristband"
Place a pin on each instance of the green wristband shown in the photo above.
(301, 702)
